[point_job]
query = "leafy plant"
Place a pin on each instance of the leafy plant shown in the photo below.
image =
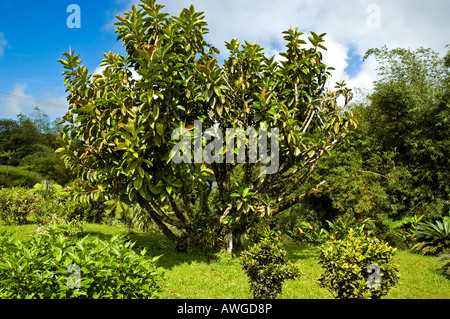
(406, 228)
(16, 204)
(208, 241)
(266, 266)
(130, 124)
(43, 267)
(309, 233)
(346, 263)
(433, 237)
(340, 228)
(258, 233)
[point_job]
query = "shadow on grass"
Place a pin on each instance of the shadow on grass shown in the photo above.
(156, 244)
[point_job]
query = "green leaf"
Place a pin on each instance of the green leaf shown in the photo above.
(160, 129)
(155, 111)
(336, 127)
(138, 182)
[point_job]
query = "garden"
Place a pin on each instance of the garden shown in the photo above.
(133, 194)
(119, 259)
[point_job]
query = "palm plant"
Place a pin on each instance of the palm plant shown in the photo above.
(433, 238)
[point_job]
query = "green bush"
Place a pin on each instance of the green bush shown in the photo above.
(208, 241)
(258, 233)
(266, 266)
(347, 265)
(309, 233)
(57, 264)
(65, 203)
(401, 232)
(16, 203)
(433, 238)
(340, 227)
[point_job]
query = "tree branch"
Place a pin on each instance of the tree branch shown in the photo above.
(291, 202)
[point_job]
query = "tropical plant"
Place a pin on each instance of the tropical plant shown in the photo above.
(266, 266)
(406, 228)
(340, 228)
(58, 264)
(348, 264)
(309, 233)
(433, 237)
(132, 125)
(258, 233)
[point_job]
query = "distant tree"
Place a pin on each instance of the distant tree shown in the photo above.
(409, 114)
(397, 162)
(33, 140)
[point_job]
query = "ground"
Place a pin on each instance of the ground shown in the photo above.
(191, 276)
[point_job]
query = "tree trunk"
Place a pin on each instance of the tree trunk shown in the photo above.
(234, 240)
(228, 239)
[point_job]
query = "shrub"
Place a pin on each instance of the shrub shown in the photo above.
(45, 266)
(16, 203)
(66, 202)
(402, 231)
(266, 266)
(433, 238)
(347, 263)
(340, 227)
(208, 241)
(309, 233)
(258, 233)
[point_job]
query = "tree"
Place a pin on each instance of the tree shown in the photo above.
(409, 114)
(396, 163)
(131, 126)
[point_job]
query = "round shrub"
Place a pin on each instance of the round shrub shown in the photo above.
(349, 266)
(266, 266)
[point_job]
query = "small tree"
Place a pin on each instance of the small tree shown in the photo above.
(131, 126)
(266, 266)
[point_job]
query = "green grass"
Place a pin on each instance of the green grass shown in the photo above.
(190, 275)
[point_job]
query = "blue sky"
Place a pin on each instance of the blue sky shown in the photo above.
(37, 34)
(34, 34)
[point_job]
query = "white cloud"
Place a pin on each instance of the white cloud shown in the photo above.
(16, 103)
(19, 102)
(402, 23)
(100, 69)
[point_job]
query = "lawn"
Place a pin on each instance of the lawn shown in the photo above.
(191, 276)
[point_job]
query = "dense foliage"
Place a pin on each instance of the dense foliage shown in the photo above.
(16, 204)
(19, 205)
(267, 268)
(58, 264)
(396, 164)
(27, 151)
(348, 264)
(131, 125)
